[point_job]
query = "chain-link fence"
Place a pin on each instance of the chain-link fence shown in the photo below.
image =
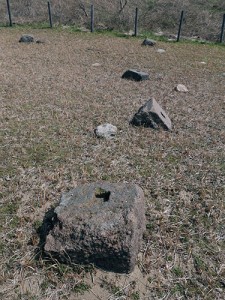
(199, 20)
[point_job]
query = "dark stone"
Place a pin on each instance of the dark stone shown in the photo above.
(26, 39)
(135, 75)
(99, 223)
(148, 42)
(151, 115)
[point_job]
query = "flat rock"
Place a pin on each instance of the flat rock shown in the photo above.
(106, 131)
(40, 42)
(148, 42)
(135, 75)
(160, 50)
(181, 88)
(99, 223)
(96, 65)
(26, 38)
(151, 115)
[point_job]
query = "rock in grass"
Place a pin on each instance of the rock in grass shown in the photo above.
(135, 75)
(160, 50)
(106, 130)
(40, 42)
(99, 223)
(151, 115)
(181, 88)
(148, 42)
(26, 39)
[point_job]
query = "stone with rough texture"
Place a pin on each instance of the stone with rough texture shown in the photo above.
(135, 75)
(106, 131)
(99, 223)
(26, 39)
(148, 42)
(181, 88)
(151, 115)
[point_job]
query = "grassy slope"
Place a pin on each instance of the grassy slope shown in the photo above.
(51, 100)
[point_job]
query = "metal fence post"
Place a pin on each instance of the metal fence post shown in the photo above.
(50, 14)
(222, 29)
(180, 25)
(136, 22)
(92, 18)
(9, 13)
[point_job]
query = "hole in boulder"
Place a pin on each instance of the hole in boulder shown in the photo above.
(163, 115)
(103, 194)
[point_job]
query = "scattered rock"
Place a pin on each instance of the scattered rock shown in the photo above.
(99, 223)
(130, 33)
(159, 33)
(26, 39)
(40, 42)
(202, 62)
(148, 42)
(135, 75)
(106, 131)
(160, 50)
(181, 88)
(151, 115)
(96, 65)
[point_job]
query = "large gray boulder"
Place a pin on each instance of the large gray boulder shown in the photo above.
(151, 115)
(100, 223)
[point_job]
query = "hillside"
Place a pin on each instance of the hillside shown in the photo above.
(202, 18)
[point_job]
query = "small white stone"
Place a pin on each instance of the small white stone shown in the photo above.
(181, 88)
(106, 130)
(96, 65)
(160, 50)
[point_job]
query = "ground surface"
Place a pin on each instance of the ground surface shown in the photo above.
(51, 99)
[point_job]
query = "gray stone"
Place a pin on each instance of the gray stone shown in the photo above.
(148, 42)
(106, 131)
(135, 75)
(26, 39)
(99, 223)
(151, 115)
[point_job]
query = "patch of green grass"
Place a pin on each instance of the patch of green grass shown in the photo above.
(199, 264)
(177, 271)
(150, 226)
(37, 224)
(9, 210)
(178, 288)
(135, 296)
(81, 288)
(33, 25)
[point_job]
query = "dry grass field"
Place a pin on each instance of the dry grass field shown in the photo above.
(51, 100)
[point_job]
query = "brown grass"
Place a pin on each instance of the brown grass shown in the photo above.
(51, 100)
